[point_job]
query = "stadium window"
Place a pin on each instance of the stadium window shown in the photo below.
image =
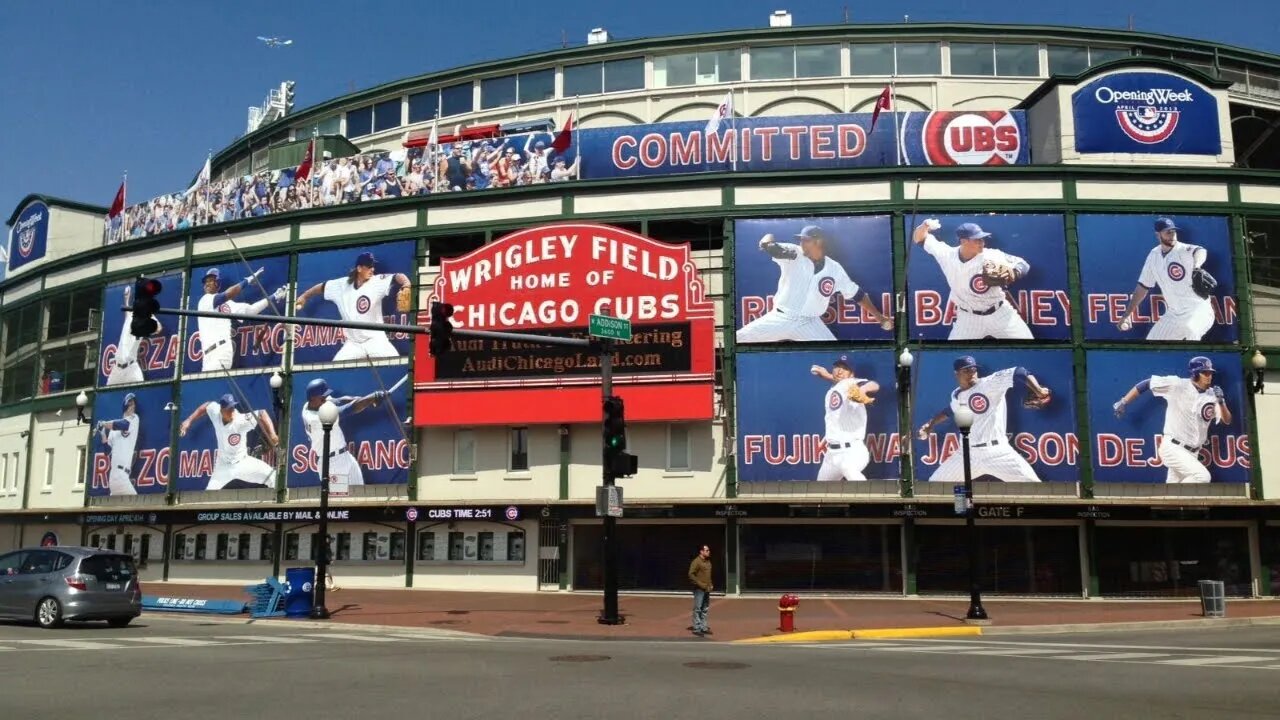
(678, 447)
(536, 86)
(497, 92)
(82, 467)
(456, 100)
(585, 79)
(71, 363)
(464, 452)
(773, 63)
(1017, 60)
(73, 313)
(973, 59)
(704, 68)
(1099, 55)
(871, 59)
(423, 106)
(329, 126)
(817, 60)
(675, 70)
(519, 450)
(622, 75)
(386, 115)
(919, 58)
(19, 381)
(360, 122)
(1067, 59)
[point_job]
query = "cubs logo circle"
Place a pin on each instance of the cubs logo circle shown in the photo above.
(1176, 271)
(834, 400)
(979, 403)
(233, 440)
(26, 242)
(827, 286)
(363, 304)
(411, 514)
(224, 308)
(1207, 412)
(1147, 124)
(978, 284)
(306, 587)
(512, 512)
(971, 138)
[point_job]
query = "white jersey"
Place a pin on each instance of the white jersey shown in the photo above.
(363, 304)
(123, 443)
(806, 291)
(1172, 272)
(846, 420)
(216, 330)
(315, 431)
(1190, 411)
(986, 400)
(233, 437)
(968, 289)
(127, 348)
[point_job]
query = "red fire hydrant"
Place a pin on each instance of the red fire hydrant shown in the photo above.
(787, 612)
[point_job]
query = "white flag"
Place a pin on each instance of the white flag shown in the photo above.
(434, 139)
(202, 178)
(723, 112)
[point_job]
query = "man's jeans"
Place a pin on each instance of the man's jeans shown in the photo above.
(701, 603)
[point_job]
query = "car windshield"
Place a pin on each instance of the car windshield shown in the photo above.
(108, 567)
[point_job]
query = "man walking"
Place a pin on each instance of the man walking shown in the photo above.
(700, 576)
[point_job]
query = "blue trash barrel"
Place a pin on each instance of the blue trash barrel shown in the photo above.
(301, 585)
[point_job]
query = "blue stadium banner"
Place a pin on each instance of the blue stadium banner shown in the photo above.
(227, 435)
(369, 443)
(951, 296)
(817, 415)
(1172, 426)
(1009, 441)
(1146, 112)
(124, 359)
(130, 442)
(806, 142)
(357, 283)
(240, 290)
(1152, 259)
(813, 279)
(29, 235)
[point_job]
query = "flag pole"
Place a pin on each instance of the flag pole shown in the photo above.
(577, 146)
(733, 128)
(893, 108)
(124, 209)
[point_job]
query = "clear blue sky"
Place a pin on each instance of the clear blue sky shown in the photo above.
(94, 89)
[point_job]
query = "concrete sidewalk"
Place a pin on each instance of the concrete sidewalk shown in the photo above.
(573, 615)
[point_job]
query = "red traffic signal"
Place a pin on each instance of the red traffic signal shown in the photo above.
(441, 328)
(146, 304)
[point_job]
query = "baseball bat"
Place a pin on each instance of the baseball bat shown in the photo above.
(400, 382)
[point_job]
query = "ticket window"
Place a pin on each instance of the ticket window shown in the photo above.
(485, 544)
(267, 546)
(95, 540)
(456, 541)
(515, 546)
(426, 545)
(384, 546)
(128, 543)
(180, 546)
(369, 546)
(144, 547)
(202, 546)
(223, 540)
(291, 546)
(344, 546)
(397, 545)
(111, 541)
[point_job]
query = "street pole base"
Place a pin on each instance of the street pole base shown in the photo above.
(606, 620)
(320, 613)
(977, 621)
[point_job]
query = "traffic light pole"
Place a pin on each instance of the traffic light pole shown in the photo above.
(610, 615)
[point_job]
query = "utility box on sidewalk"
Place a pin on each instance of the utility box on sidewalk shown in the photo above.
(1213, 598)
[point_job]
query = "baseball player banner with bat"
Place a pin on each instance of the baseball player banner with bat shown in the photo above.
(813, 279)
(1000, 277)
(227, 435)
(240, 291)
(129, 447)
(364, 284)
(124, 359)
(1157, 277)
(817, 416)
(367, 445)
(1165, 416)
(1024, 415)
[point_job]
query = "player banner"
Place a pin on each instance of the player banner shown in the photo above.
(130, 442)
(1138, 276)
(227, 435)
(124, 359)
(813, 279)
(363, 284)
(29, 235)
(239, 290)
(824, 416)
(368, 445)
(1019, 433)
(1146, 112)
(979, 277)
(1158, 417)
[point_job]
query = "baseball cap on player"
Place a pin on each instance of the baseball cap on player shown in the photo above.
(364, 259)
(227, 401)
(1199, 364)
(130, 398)
(963, 362)
(214, 273)
(811, 232)
(318, 388)
(1165, 223)
(971, 231)
(842, 361)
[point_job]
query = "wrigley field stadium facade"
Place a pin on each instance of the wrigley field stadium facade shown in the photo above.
(755, 202)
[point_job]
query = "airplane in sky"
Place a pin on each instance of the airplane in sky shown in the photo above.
(274, 41)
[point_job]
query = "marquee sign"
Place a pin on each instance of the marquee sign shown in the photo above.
(1146, 112)
(29, 236)
(548, 281)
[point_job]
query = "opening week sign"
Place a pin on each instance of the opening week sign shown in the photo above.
(548, 281)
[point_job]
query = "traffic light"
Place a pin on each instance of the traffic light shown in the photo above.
(441, 328)
(145, 305)
(617, 462)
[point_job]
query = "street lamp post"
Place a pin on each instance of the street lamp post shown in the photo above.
(976, 614)
(328, 413)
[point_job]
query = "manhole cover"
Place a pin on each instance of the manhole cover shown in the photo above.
(708, 665)
(457, 612)
(554, 622)
(580, 658)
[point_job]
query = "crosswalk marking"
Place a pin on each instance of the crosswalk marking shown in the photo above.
(1112, 656)
(1012, 651)
(354, 636)
(174, 641)
(137, 641)
(1216, 660)
(278, 639)
(73, 644)
(926, 648)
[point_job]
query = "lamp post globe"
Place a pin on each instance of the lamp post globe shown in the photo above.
(82, 400)
(906, 359)
(276, 381)
(964, 418)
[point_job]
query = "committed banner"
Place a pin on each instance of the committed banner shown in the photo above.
(368, 444)
(130, 442)
(548, 281)
(951, 296)
(124, 359)
(360, 283)
(239, 291)
(1009, 442)
(227, 435)
(797, 420)
(813, 279)
(1173, 427)
(29, 235)
(1137, 278)
(1146, 112)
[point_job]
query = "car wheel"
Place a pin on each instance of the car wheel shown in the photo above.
(119, 622)
(49, 613)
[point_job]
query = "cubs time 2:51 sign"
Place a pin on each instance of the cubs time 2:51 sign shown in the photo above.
(1146, 112)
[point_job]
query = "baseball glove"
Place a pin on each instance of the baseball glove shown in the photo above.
(404, 299)
(857, 395)
(997, 274)
(1035, 400)
(1203, 283)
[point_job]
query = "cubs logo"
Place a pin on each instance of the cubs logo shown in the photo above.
(978, 284)
(1176, 271)
(979, 403)
(1207, 412)
(1147, 124)
(834, 401)
(513, 513)
(363, 304)
(827, 286)
(224, 308)
(989, 137)
(233, 440)
(26, 242)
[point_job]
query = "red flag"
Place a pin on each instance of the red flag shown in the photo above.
(304, 170)
(882, 103)
(117, 205)
(565, 137)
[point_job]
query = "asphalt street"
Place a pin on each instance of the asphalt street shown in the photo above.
(196, 667)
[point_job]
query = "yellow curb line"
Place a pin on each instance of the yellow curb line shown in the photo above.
(873, 634)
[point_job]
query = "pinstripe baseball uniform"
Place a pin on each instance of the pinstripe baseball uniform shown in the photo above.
(1187, 316)
(123, 441)
(804, 293)
(990, 451)
(234, 462)
(1187, 418)
(981, 310)
(846, 431)
(125, 367)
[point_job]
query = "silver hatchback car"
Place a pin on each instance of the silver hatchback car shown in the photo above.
(53, 584)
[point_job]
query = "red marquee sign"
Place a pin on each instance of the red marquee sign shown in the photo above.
(548, 280)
